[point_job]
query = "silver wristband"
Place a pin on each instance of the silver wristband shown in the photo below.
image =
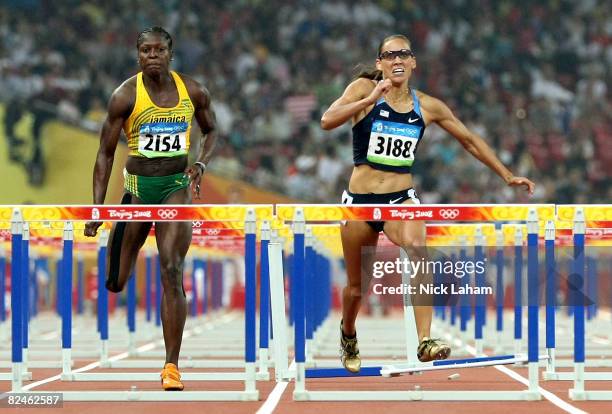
(201, 165)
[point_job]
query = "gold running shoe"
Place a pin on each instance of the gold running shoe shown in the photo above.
(349, 352)
(432, 349)
(171, 378)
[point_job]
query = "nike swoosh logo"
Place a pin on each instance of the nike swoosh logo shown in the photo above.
(410, 120)
(395, 201)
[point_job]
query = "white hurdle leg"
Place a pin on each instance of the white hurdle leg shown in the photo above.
(25, 288)
(17, 381)
(410, 330)
(533, 392)
(577, 393)
(298, 287)
(102, 310)
(550, 373)
(279, 319)
(264, 304)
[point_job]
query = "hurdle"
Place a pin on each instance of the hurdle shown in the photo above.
(199, 262)
(102, 272)
(42, 342)
(439, 235)
(511, 236)
(19, 292)
(300, 214)
(142, 213)
(42, 348)
(579, 376)
(568, 214)
(435, 232)
(115, 376)
(480, 305)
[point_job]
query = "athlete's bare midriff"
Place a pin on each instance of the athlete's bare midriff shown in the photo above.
(156, 167)
(366, 179)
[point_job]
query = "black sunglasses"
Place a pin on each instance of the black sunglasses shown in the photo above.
(392, 54)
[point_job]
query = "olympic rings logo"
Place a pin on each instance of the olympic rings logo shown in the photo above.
(198, 224)
(167, 214)
(377, 214)
(212, 232)
(449, 214)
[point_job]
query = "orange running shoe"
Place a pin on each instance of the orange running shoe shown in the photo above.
(171, 378)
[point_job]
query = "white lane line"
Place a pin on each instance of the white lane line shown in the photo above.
(565, 406)
(146, 347)
(123, 355)
(275, 396)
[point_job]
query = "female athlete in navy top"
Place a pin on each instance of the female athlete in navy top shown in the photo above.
(389, 119)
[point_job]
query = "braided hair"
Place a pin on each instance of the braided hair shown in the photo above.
(157, 30)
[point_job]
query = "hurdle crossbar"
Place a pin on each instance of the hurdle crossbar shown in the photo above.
(300, 214)
(249, 214)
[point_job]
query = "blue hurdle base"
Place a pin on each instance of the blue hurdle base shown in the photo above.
(450, 363)
(341, 372)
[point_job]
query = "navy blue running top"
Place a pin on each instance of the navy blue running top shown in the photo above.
(387, 140)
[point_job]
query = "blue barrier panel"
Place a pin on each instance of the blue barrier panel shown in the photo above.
(67, 294)
(577, 288)
(551, 293)
(518, 292)
(16, 297)
(250, 295)
(499, 289)
(264, 296)
(298, 284)
(533, 293)
(25, 290)
(131, 303)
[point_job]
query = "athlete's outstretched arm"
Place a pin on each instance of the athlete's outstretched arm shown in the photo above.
(205, 116)
(360, 94)
(119, 108)
(443, 116)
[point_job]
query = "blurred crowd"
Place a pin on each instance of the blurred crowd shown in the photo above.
(530, 77)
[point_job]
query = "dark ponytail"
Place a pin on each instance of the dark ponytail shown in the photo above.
(375, 74)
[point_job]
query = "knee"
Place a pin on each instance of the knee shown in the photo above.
(114, 283)
(410, 242)
(172, 276)
(353, 292)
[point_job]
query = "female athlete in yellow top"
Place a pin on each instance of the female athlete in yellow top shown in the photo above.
(155, 109)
